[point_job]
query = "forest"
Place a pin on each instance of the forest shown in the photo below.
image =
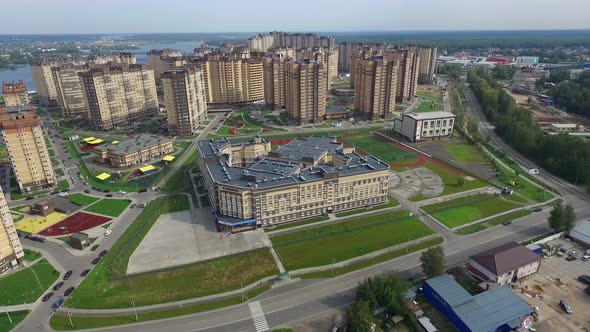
(571, 94)
(565, 156)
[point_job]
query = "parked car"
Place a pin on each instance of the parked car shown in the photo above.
(132, 206)
(69, 291)
(108, 195)
(585, 257)
(507, 222)
(68, 275)
(142, 190)
(58, 285)
(537, 209)
(84, 273)
(573, 253)
(585, 279)
(108, 232)
(588, 290)
(87, 191)
(566, 307)
(102, 253)
(47, 297)
(57, 303)
(95, 261)
(94, 247)
(571, 258)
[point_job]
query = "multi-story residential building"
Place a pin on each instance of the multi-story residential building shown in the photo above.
(157, 60)
(137, 150)
(375, 87)
(327, 56)
(407, 74)
(345, 56)
(25, 142)
(119, 95)
(427, 56)
(118, 58)
(15, 94)
(230, 81)
(11, 250)
(263, 42)
(184, 98)
(357, 55)
(305, 91)
(70, 94)
(275, 77)
(44, 83)
(425, 126)
(251, 186)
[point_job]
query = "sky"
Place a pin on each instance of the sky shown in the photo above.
(161, 16)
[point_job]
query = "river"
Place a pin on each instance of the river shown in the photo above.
(24, 72)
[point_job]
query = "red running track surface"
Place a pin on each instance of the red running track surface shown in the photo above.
(78, 222)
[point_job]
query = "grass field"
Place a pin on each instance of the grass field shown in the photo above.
(392, 203)
(109, 207)
(178, 180)
(428, 106)
(28, 284)
(449, 180)
(63, 185)
(342, 241)
(59, 172)
(297, 223)
(464, 210)
(382, 150)
(204, 201)
(494, 222)
(16, 316)
(62, 323)
(82, 199)
(465, 153)
(31, 255)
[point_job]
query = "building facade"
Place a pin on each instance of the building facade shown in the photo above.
(137, 150)
(11, 251)
(44, 83)
(229, 81)
(305, 91)
(427, 57)
(266, 41)
(407, 73)
(159, 60)
(275, 80)
(25, 142)
(375, 87)
(326, 55)
(15, 94)
(251, 186)
(424, 126)
(184, 98)
(70, 94)
(119, 95)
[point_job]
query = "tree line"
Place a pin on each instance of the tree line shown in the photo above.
(572, 94)
(563, 155)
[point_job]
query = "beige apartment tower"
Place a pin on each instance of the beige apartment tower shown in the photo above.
(327, 56)
(306, 92)
(25, 142)
(70, 94)
(275, 85)
(156, 60)
(44, 83)
(230, 81)
(427, 55)
(375, 87)
(15, 94)
(11, 250)
(119, 95)
(184, 98)
(407, 75)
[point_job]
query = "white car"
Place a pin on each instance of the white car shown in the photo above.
(108, 232)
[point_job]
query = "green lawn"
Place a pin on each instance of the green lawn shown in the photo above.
(205, 201)
(464, 210)
(465, 153)
(82, 199)
(63, 185)
(31, 255)
(494, 222)
(51, 152)
(109, 207)
(16, 316)
(449, 180)
(28, 284)
(297, 223)
(59, 172)
(201, 189)
(380, 149)
(523, 187)
(342, 241)
(428, 106)
(178, 180)
(61, 322)
(392, 203)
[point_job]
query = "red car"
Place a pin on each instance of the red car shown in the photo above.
(571, 258)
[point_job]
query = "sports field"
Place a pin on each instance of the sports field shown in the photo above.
(380, 149)
(39, 223)
(82, 199)
(75, 223)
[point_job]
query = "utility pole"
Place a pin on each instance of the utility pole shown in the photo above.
(332, 267)
(7, 314)
(242, 289)
(135, 310)
(70, 317)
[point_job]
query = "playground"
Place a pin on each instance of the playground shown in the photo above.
(39, 223)
(78, 222)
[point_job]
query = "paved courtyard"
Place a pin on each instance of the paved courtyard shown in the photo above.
(420, 180)
(187, 237)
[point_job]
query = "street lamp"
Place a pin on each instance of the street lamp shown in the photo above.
(333, 267)
(135, 310)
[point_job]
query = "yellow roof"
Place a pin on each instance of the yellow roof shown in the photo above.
(89, 139)
(115, 142)
(147, 168)
(96, 141)
(103, 176)
(169, 158)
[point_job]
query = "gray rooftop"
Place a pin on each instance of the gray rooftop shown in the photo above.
(485, 311)
(336, 110)
(138, 142)
(581, 232)
(312, 147)
(79, 236)
(430, 115)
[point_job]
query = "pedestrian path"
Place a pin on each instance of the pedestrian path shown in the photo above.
(258, 317)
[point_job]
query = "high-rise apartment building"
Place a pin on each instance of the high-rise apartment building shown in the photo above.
(427, 55)
(70, 94)
(119, 95)
(117, 58)
(357, 55)
(158, 62)
(306, 93)
(326, 55)
(15, 94)
(44, 83)
(375, 87)
(11, 250)
(25, 142)
(275, 80)
(407, 74)
(184, 98)
(263, 42)
(231, 81)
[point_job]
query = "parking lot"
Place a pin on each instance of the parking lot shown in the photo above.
(557, 279)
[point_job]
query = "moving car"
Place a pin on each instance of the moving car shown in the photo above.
(68, 275)
(584, 279)
(507, 222)
(84, 273)
(58, 285)
(47, 297)
(96, 260)
(566, 307)
(102, 253)
(57, 303)
(108, 232)
(69, 291)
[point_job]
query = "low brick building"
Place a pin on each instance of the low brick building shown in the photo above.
(137, 150)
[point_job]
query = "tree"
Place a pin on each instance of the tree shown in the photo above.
(560, 218)
(433, 261)
(460, 181)
(359, 317)
(569, 218)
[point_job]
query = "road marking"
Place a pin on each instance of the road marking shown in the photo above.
(258, 316)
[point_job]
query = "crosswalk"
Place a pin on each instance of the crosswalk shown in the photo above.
(258, 316)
